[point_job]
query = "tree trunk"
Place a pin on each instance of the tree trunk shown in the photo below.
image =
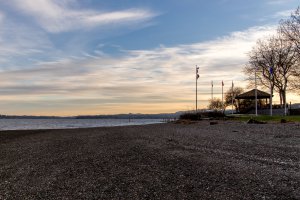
(284, 94)
(280, 96)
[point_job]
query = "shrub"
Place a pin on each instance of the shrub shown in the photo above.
(191, 116)
(200, 115)
(213, 114)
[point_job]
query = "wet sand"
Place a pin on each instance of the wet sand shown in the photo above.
(229, 160)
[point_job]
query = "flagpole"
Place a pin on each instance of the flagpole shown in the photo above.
(285, 110)
(212, 90)
(255, 92)
(232, 98)
(196, 89)
(271, 100)
(197, 76)
(222, 96)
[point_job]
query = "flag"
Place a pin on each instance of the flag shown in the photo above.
(222, 83)
(212, 84)
(197, 72)
(271, 70)
(232, 85)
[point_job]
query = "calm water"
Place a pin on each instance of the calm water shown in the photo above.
(23, 124)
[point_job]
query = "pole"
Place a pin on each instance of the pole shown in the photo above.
(196, 91)
(212, 90)
(271, 100)
(232, 97)
(222, 96)
(285, 111)
(271, 91)
(197, 76)
(255, 92)
(196, 94)
(271, 112)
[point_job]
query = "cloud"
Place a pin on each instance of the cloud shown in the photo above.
(112, 17)
(18, 43)
(279, 2)
(59, 16)
(283, 14)
(162, 79)
(1, 17)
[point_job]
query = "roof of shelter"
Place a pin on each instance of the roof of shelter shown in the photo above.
(251, 95)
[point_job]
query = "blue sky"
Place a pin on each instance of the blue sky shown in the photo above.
(68, 57)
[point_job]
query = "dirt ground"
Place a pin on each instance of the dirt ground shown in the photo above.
(228, 160)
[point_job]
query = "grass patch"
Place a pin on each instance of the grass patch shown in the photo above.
(266, 118)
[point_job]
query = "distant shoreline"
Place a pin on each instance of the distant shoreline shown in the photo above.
(116, 116)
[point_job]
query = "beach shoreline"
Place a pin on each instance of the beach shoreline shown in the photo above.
(228, 160)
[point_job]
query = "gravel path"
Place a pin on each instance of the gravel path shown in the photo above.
(229, 160)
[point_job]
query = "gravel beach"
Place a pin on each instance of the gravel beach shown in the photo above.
(228, 160)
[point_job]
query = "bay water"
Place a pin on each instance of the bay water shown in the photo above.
(31, 124)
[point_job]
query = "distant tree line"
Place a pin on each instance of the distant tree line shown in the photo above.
(276, 59)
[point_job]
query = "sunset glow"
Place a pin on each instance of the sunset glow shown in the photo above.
(71, 57)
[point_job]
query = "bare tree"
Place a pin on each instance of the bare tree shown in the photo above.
(290, 29)
(274, 54)
(295, 84)
(230, 96)
(261, 58)
(286, 61)
(216, 104)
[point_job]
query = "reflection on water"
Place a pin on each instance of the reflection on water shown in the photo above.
(23, 124)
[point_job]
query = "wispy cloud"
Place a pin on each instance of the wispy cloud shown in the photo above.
(278, 2)
(1, 17)
(60, 16)
(283, 14)
(160, 79)
(18, 43)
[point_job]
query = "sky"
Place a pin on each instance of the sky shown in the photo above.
(75, 57)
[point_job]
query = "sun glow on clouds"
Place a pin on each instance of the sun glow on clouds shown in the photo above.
(151, 81)
(58, 16)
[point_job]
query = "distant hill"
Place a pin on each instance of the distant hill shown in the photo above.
(32, 117)
(133, 116)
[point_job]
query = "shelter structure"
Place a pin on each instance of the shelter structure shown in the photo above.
(251, 95)
(246, 101)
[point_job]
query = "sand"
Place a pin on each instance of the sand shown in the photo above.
(229, 160)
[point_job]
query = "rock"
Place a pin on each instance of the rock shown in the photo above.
(253, 121)
(283, 121)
